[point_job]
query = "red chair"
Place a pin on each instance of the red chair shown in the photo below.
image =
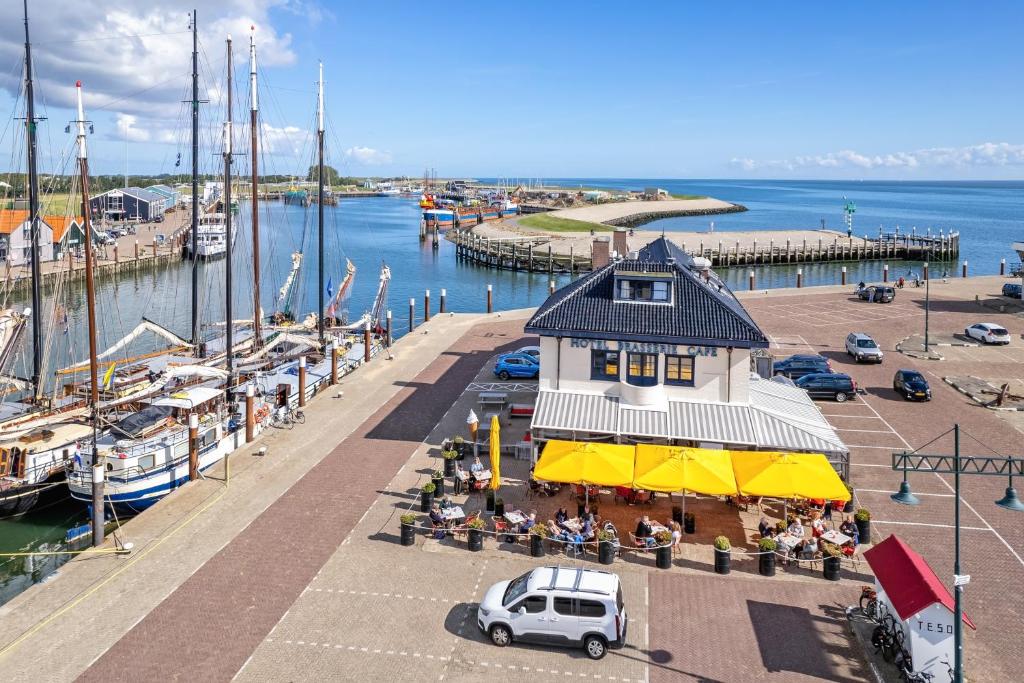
(623, 492)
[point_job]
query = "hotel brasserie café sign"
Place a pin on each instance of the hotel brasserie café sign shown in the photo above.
(642, 347)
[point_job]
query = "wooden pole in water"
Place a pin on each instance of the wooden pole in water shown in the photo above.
(366, 342)
(885, 272)
(193, 447)
(551, 287)
(250, 426)
(799, 277)
(412, 313)
(843, 281)
(302, 381)
(490, 299)
(963, 271)
(444, 296)
(1002, 266)
(925, 271)
(426, 306)
(136, 252)
(750, 279)
(115, 254)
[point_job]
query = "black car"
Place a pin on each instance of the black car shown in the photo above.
(879, 294)
(911, 385)
(828, 385)
(1012, 290)
(799, 365)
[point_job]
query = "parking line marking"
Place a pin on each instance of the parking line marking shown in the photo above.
(881, 448)
(936, 495)
(855, 417)
(940, 526)
(866, 431)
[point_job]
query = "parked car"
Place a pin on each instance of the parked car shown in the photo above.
(101, 237)
(799, 365)
(988, 333)
(911, 385)
(160, 239)
(557, 605)
(529, 350)
(863, 348)
(1012, 290)
(879, 294)
(516, 365)
(832, 385)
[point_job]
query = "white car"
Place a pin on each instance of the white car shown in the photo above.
(556, 605)
(988, 333)
(531, 350)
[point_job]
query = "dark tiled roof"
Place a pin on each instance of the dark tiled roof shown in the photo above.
(703, 312)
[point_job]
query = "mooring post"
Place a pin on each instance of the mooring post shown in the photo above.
(924, 271)
(302, 381)
(137, 252)
(799, 277)
(154, 246)
(250, 418)
(193, 447)
(885, 272)
(426, 306)
(97, 503)
(551, 263)
(963, 271)
(388, 331)
(843, 281)
(750, 279)
(444, 297)
(366, 342)
(1002, 266)
(490, 299)
(334, 364)
(115, 253)
(551, 287)
(412, 313)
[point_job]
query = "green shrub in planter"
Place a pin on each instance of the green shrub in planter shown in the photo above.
(458, 441)
(863, 520)
(408, 531)
(663, 551)
(408, 519)
(428, 487)
(426, 496)
(477, 523)
(722, 543)
(862, 515)
(767, 545)
(766, 560)
(723, 559)
(663, 538)
(605, 535)
(450, 454)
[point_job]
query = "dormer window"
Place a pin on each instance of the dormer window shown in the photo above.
(655, 290)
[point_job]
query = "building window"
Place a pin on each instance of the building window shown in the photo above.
(604, 365)
(643, 290)
(679, 370)
(643, 369)
(659, 291)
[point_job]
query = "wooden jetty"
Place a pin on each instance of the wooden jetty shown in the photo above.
(535, 254)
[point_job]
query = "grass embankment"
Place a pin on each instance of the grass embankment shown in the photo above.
(688, 196)
(543, 221)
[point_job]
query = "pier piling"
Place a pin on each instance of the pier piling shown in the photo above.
(388, 331)
(412, 313)
(302, 381)
(924, 271)
(426, 306)
(334, 364)
(444, 297)
(963, 271)
(490, 299)
(750, 276)
(799, 277)
(193, 447)
(97, 504)
(366, 342)
(551, 287)
(843, 276)
(885, 272)
(1002, 266)
(250, 394)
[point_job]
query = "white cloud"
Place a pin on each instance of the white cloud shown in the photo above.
(128, 129)
(984, 154)
(285, 141)
(368, 156)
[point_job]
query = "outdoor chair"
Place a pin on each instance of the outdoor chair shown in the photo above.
(502, 527)
(623, 492)
(464, 527)
(639, 543)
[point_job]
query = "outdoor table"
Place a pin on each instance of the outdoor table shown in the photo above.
(655, 528)
(789, 541)
(515, 517)
(833, 536)
(573, 525)
(453, 513)
(463, 475)
(482, 475)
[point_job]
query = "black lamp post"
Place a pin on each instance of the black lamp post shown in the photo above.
(956, 464)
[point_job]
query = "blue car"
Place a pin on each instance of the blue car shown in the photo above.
(516, 365)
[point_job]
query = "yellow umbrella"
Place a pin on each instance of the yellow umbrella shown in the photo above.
(495, 452)
(787, 475)
(675, 468)
(599, 464)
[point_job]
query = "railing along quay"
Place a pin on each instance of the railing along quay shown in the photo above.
(535, 254)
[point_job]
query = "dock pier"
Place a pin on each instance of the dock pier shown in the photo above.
(535, 253)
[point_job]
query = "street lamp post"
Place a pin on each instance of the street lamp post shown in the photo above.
(927, 305)
(956, 464)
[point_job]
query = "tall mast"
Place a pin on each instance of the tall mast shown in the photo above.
(229, 320)
(195, 185)
(253, 111)
(90, 299)
(33, 210)
(320, 198)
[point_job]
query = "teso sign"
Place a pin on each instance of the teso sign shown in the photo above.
(643, 347)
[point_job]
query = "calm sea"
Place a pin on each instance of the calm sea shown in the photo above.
(375, 230)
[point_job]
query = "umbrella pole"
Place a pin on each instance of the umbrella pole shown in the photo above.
(684, 502)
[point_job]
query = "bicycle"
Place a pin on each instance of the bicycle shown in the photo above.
(869, 602)
(280, 419)
(299, 417)
(908, 674)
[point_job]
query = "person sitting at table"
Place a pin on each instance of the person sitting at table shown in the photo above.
(561, 516)
(764, 528)
(817, 525)
(796, 528)
(437, 520)
(446, 503)
(850, 529)
(644, 532)
(477, 467)
(587, 514)
(809, 548)
(529, 522)
(587, 531)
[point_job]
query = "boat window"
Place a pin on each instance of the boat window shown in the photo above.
(146, 462)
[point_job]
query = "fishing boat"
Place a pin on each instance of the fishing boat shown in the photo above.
(297, 197)
(210, 236)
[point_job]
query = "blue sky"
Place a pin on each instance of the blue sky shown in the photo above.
(749, 89)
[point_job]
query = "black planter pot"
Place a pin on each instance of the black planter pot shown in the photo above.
(408, 534)
(426, 498)
(579, 509)
(663, 556)
(690, 525)
(499, 508)
(848, 506)
(830, 568)
(476, 539)
(536, 545)
(438, 486)
(490, 500)
(766, 564)
(722, 561)
(605, 552)
(677, 514)
(449, 467)
(863, 530)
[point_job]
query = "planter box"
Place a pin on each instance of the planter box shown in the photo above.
(425, 500)
(723, 561)
(408, 534)
(863, 530)
(449, 468)
(475, 539)
(438, 487)
(766, 564)
(605, 552)
(830, 568)
(663, 557)
(536, 546)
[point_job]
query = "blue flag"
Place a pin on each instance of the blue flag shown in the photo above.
(330, 287)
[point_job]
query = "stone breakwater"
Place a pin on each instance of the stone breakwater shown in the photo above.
(638, 219)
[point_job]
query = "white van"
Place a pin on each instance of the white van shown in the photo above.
(557, 605)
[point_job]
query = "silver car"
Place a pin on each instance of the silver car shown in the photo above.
(863, 348)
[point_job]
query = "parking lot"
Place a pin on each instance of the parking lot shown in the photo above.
(879, 422)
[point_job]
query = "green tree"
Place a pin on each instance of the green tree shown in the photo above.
(330, 175)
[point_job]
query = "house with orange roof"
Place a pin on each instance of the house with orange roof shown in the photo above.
(56, 235)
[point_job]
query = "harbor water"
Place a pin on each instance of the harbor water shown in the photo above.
(372, 231)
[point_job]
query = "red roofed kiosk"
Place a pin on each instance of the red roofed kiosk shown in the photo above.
(911, 590)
